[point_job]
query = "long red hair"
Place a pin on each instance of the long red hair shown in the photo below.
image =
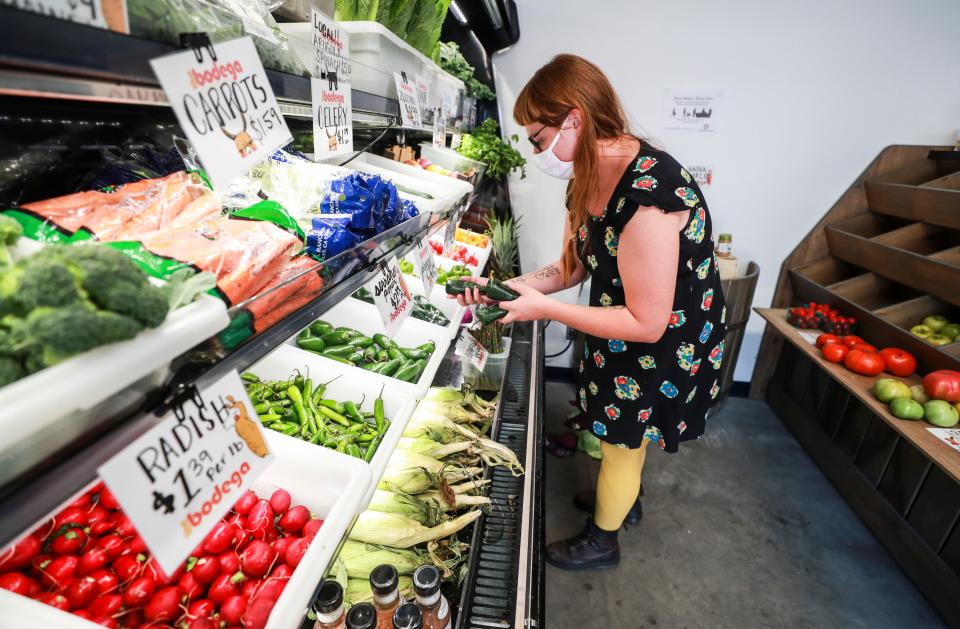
(569, 82)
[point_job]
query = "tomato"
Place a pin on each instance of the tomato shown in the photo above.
(898, 362)
(139, 592)
(294, 520)
(20, 554)
(280, 501)
(865, 347)
(824, 339)
(257, 559)
(834, 352)
(863, 363)
(851, 340)
(943, 385)
(165, 605)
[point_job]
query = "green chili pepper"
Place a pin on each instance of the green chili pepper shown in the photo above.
(341, 351)
(365, 438)
(250, 377)
(317, 437)
(340, 359)
(362, 342)
(391, 367)
(356, 429)
(370, 354)
(412, 354)
(351, 411)
(371, 366)
(312, 344)
(355, 357)
(336, 338)
(336, 406)
(407, 372)
(317, 394)
(319, 328)
(382, 356)
(290, 430)
(489, 314)
(262, 408)
(334, 415)
(394, 353)
(378, 412)
(383, 341)
(372, 448)
(353, 451)
(269, 418)
(429, 347)
(294, 394)
(279, 410)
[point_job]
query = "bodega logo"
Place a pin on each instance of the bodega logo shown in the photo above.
(220, 491)
(217, 72)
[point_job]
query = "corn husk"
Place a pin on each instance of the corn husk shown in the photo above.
(413, 473)
(358, 590)
(360, 559)
(452, 410)
(464, 397)
(428, 512)
(397, 531)
(338, 571)
(428, 447)
(461, 501)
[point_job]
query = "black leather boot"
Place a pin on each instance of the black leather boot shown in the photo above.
(587, 501)
(593, 549)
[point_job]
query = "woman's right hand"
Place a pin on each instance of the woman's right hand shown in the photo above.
(472, 295)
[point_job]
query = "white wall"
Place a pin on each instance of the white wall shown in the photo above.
(812, 91)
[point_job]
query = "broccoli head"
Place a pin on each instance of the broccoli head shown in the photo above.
(45, 283)
(10, 233)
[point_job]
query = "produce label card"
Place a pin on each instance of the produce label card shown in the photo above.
(106, 14)
(449, 235)
(331, 48)
(440, 127)
(225, 105)
(423, 93)
(330, 90)
(409, 102)
(950, 436)
(427, 266)
(472, 351)
(176, 481)
(810, 337)
(392, 297)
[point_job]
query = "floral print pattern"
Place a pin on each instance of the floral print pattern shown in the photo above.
(685, 356)
(612, 241)
(703, 268)
(599, 429)
(606, 300)
(688, 196)
(594, 389)
(645, 183)
(645, 414)
(677, 318)
(645, 163)
(647, 362)
(613, 413)
(669, 389)
(626, 388)
(599, 359)
(616, 346)
(697, 227)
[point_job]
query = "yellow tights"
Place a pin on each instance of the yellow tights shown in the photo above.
(619, 483)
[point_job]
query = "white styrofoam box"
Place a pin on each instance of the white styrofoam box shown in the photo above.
(377, 52)
(438, 297)
(82, 382)
(398, 404)
(364, 317)
(444, 194)
(451, 160)
(330, 484)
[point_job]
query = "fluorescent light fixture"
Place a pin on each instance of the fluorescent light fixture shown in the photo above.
(457, 12)
(494, 12)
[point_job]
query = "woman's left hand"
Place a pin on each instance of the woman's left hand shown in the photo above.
(531, 305)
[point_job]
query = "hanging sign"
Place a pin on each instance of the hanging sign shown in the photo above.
(332, 116)
(423, 94)
(440, 127)
(472, 351)
(409, 101)
(427, 266)
(105, 14)
(392, 297)
(176, 481)
(449, 235)
(331, 49)
(225, 105)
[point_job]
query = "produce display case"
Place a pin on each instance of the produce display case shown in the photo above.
(888, 254)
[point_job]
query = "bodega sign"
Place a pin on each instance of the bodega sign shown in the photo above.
(176, 481)
(224, 103)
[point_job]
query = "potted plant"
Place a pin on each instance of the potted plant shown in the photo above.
(485, 145)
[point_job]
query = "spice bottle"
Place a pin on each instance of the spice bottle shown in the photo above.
(384, 581)
(408, 616)
(433, 605)
(725, 245)
(329, 606)
(362, 616)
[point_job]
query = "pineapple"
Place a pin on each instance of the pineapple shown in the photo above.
(505, 254)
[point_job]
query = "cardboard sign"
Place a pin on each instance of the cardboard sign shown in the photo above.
(392, 297)
(440, 127)
(331, 48)
(332, 119)
(427, 266)
(423, 94)
(225, 105)
(176, 481)
(409, 102)
(472, 351)
(106, 14)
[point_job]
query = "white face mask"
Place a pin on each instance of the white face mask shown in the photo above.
(548, 162)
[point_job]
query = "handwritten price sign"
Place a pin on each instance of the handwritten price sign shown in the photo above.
(392, 297)
(472, 351)
(428, 266)
(450, 235)
(409, 102)
(176, 481)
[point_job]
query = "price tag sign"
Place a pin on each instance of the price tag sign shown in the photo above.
(225, 106)
(330, 91)
(427, 266)
(105, 14)
(331, 48)
(440, 127)
(176, 481)
(409, 102)
(471, 350)
(456, 137)
(423, 93)
(392, 297)
(449, 235)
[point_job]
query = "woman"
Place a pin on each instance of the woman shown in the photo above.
(637, 224)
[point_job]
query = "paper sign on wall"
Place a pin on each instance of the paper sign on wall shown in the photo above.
(392, 297)
(703, 175)
(473, 351)
(225, 105)
(426, 266)
(106, 14)
(176, 481)
(691, 110)
(409, 101)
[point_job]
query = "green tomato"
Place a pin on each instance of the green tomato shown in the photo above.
(904, 408)
(952, 330)
(940, 413)
(919, 394)
(888, 389)
(935, 322)
(939, 339)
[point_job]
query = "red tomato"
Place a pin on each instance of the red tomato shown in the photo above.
(834, 352)
(943, 385)
(851, 340)
(863, 363)
(865, 347)
(824, 339)
(898, 362)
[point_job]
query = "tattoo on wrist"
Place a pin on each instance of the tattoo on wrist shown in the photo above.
(550, 270)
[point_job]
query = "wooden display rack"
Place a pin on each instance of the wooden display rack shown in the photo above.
(887, 253)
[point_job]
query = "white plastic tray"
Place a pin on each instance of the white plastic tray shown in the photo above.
(364, 317)
(446, 194)
(398, 405)
(330, 484)
(451, 160)
(482, 254)
(438, 297)
(460, 188)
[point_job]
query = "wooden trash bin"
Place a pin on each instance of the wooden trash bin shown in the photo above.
(738, 293)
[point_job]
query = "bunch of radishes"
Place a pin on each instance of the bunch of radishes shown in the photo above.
(90, 561)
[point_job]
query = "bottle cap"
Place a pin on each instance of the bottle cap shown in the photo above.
(407, 616)
(330, 597)
(362, 616)
(384, 579)
(426, 581)
(726, 237)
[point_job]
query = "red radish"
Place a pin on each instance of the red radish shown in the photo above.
(139, 592)
(98, 514)
(125, 527)
(245, 503)
(55, 600)
(107, 499)
(202, 623)
(128, 566)
(132, 617)
(69, 542)
(280, 501)
(20, 554)
(83, 502)
(110, 623)
(113, 545)
(257, 614)
(311, 528)
(71, 515)
(19, 583)
(39, 564)
(296, 551)
(229, 562)
(82, 592)
(282, 571)
(250, 588)
(232, 609)
(165, 605)
(282, 544)
(106, 606)
(257, 559)
(82, 613)
(190, 586)
(106, 581)
(153, 569)
(202, 608)
(206, 569)
(103, 527)
(137, 545)
(260, 519)
(219, 539)
(223, 587)
(59, 571)
(92, 560)
(295, 519)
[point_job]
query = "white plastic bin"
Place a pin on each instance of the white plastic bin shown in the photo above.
(451, 160)
(446, 192)
(438, 297)
(492, 375)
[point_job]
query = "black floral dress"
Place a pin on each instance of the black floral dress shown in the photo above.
(659, 391)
